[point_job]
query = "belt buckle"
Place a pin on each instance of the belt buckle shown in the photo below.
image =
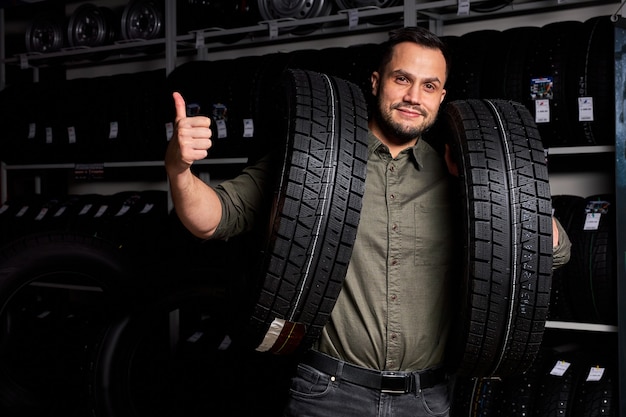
(395, 383)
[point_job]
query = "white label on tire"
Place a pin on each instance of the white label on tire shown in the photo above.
(113, 130)
(585, 109)
(71, 134)
(592, 221)
(248, 128)
(542, 111)
(221, 129)
(560, 368)
(272, 335)
(595, 374)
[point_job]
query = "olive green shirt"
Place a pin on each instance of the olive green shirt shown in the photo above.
(394, 309)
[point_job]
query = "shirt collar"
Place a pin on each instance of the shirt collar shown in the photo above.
(421, 150)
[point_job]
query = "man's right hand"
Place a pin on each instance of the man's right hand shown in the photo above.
(190, 141)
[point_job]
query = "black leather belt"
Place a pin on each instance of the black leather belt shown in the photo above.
(394, 382)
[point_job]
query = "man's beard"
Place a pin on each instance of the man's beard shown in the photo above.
(397, 132)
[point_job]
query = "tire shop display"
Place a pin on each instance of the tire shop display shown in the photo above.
(46, 33)
(275, 10)
(90, 25)
(57, 293)
(214, 319)
(588, 283)
(573, 380)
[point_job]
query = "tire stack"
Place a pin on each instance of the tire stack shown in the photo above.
(548, 69)
(569, 381)
(586, 287)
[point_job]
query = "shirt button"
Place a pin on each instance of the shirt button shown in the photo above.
(392, 168)
(394, 336)
(392, 196)
(394, 297)
(394, 262)
(394, 227)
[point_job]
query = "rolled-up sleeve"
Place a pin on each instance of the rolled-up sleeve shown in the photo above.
(562, 251)
(246, 199)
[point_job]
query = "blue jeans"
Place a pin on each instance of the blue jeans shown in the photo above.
(316, 394)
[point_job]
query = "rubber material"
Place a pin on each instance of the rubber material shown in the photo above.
(506, 210)
(317, 206)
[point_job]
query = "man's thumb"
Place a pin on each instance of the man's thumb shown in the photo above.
(180, 106)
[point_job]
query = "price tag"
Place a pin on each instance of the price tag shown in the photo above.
(199, 39)
(221, 129)
(48, 135)
(585, 109)
(195, 337)
(71, 134)
(113, 130)
(225, 343)
(169, 130)
(463, 8)
(22, 211)
(32, 130)
(123, 210)
(595, 374)
(560, 368)
(146, 208)
(353, 18)
(273, 29)
(248, 128)
(85, 209)
(42, 213)
(101, 211)
(542, 111)
(592, 221)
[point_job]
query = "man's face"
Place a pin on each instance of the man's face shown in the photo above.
(408, 92)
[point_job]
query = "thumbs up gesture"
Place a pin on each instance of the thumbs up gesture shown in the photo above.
(190, 141)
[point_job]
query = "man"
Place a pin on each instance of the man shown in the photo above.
(393, 314)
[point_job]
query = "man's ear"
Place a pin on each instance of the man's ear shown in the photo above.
(443, 95)
(375, 79)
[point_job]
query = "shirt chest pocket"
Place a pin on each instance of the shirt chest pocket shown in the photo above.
(434, 237)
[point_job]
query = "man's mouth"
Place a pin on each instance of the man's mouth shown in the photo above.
(416, 111)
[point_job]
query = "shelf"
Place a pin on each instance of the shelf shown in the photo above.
(591, 327)
(129, 164)
(341, 23)
(577, 150)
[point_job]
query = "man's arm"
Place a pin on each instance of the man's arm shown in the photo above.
(196, 204)
(561, 245)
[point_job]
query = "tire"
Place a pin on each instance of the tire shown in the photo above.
(316, 211)
(378, 20)
(174, 356)
(507, 247)
(46, 33)
(90, 26)
(562, 306)
(556, 392)
(298, 10)
(597, 79)
(142, 19)
(56, 291)
(591, 282)
(555, 58)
